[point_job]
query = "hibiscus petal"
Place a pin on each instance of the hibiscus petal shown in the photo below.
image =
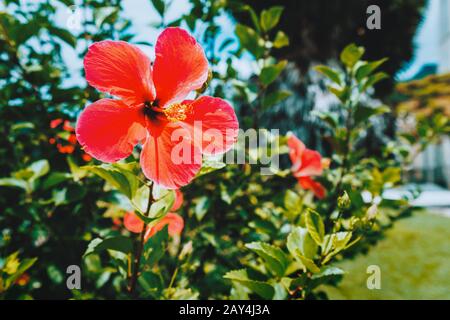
(178, 200)
(309, 184)
(296, 149)
(169, 157)
(120, 69)
(311, 164)
(213, 125)
(175, 222)
(109, 129)
(133, 223)
(180, 66)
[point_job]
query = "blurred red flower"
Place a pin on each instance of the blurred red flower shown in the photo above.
(134, 224)
(65, 149)
(152, 109)
(86, 157)
(175, 222)
(306, 163)
(55, 122)
(23, 279)
(72, 139)
(68, 127)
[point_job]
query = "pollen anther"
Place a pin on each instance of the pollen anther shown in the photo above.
(177, 112)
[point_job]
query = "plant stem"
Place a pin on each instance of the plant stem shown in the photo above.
(140, 247)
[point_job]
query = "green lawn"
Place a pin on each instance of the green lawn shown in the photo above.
(414, 259)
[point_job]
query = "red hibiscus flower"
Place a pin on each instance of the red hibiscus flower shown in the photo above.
(134, 224)
(306, 163)
(152, 109)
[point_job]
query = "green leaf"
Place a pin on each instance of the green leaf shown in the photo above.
(372, 80)
(55, 178)
(151, 282)
(391, 176)
(160, 6)
(330, 73)
(331, 118)
(281, 40)
(292, 201)
(340, 239)
(367, 68)
(275, 259)
(263, 289)
(315, 226)
(351, 54)
(250, 40)
(341, 93)
(299, 240)
(64, 35)
(210, 165)
(363, 113)
(119, 243)
(22, 126)
(274, 98)
(253, 16)
(270, 18)
(325, 275)
(13, 182)
(270, 74)
(201, 208)
(39, 168)
(308, 263)
(155, 247)
(124, 181)
(78, 173)
(335, 243)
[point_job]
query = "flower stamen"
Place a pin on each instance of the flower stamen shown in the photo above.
(177, 112)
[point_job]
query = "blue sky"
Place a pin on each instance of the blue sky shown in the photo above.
(143, 14)
(426, 42)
